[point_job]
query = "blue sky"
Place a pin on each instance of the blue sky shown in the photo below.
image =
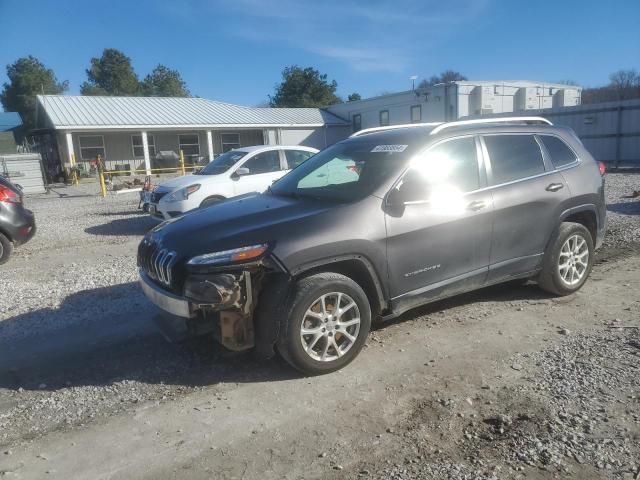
(235, 50)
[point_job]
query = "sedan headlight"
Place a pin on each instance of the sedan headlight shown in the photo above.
(183, 193)
(236, 255)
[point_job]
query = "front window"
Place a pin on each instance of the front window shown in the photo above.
(190, 145)
(222, 163)
(230, 141)
(91, 146)
(443, 172)
(138, 150)
(344, 172)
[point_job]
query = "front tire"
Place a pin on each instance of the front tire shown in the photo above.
(568, 260)
(6, 247)
(327, 325)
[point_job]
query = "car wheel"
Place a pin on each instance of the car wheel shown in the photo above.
(207, 202)
(328, 323)
(568, 260)
(6, 247)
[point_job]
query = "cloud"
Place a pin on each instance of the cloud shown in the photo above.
(377, 35)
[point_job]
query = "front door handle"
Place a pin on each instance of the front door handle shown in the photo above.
(554, 187)
(477, 205)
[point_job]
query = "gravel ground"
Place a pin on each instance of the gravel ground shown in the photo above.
(576, 407)
(623, 219)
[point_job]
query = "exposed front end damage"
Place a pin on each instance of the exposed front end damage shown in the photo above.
(227, 300)
(221, 301)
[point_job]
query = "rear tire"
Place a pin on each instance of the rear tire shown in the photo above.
(335, 313)
(6, 247)
(568, 260)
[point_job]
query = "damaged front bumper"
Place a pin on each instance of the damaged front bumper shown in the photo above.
(220, 302)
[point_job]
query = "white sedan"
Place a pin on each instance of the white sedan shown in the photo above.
(244, 170)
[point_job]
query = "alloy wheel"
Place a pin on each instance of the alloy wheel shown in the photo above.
(573, 260)
(330, 326)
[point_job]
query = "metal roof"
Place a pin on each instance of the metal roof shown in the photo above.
(74, 112)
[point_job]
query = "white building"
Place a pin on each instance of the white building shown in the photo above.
(455, 100)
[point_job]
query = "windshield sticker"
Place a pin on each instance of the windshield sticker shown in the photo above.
(390, 148)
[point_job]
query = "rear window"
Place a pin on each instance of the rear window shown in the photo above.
(297, 157)
(561, 154)
(513, 157)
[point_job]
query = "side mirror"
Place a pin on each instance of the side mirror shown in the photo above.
(394, 199)
(240, 172)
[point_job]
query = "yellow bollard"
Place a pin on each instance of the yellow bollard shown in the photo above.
(103, 185)
(74, 175)
(182, 163)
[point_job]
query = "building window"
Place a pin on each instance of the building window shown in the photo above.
(416, 113)
(356, 121)
(384, 118)
(230, 141)
(91, 146)
(138, 150)
(189, 144)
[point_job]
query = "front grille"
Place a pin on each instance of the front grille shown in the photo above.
(156, 262)
(156, 196)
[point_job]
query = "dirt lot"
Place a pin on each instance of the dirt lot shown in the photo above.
(505, 382)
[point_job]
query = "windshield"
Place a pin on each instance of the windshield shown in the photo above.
(222, 163)
(344, 172)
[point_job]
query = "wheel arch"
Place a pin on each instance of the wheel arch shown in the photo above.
(216, 196)
(585, 215)
(357, 268)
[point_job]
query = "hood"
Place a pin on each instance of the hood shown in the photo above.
(187, 180)
(241, 221)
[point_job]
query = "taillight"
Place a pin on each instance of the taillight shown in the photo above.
(602, 167)
(8, 195)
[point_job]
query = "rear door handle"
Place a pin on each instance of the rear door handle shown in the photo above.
(554, 187)
(477, 205)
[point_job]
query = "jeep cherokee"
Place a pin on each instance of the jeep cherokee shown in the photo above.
(382, 222)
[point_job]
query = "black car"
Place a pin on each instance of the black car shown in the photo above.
(17, 224)
(375, 225)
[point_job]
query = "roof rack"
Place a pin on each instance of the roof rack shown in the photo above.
(393, 127)
(516, 120)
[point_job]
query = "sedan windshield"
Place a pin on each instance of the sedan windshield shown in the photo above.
(344, 172)
(222, 163)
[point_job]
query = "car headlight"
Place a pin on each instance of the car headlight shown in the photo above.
(183, 193)
(236, 255)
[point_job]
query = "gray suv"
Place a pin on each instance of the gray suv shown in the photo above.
(382, 222)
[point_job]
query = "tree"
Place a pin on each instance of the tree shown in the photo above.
(623, 85)
(111, 74)
(445, 77)
(28, 77)
(354, 97)
(623, 79)
(164, 82)
(304, 87)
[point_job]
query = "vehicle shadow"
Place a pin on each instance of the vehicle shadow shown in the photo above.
(134, 226)
(105, 335)
(503, 292)
(625, 208)
(101, 336)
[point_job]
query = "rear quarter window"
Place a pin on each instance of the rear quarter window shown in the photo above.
(560, 153)
(513, 157)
